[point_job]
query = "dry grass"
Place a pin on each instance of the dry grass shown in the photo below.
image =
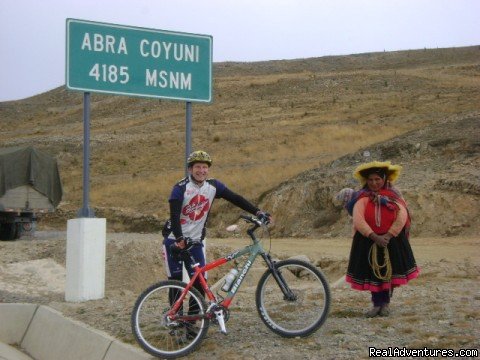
(268, 122)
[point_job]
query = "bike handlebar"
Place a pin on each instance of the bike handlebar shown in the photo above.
(189, 242)
(252, 219)
(257, 220)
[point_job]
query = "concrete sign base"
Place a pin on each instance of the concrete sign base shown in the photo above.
(86, 244)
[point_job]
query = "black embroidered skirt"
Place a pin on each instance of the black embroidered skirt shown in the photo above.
(360, 274)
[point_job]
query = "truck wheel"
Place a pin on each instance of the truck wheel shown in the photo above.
(8, 232)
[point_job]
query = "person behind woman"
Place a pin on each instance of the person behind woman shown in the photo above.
(381, 257)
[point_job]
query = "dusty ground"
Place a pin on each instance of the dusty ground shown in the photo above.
(440, 309)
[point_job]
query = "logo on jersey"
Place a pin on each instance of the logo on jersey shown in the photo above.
(197, 207)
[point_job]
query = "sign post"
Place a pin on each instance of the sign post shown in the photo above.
(86, 211)
(188, 132)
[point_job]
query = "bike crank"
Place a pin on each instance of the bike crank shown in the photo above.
(222, 315)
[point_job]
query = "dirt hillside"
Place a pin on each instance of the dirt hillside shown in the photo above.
(306, 122)
(440, 180)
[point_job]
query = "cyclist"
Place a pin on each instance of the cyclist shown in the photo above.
(190, 204)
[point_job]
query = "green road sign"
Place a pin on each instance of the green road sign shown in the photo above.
(127, 60)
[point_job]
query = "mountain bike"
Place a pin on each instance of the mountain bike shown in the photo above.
(171, 318)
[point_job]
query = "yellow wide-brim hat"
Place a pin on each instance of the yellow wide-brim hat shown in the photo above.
(392, 171)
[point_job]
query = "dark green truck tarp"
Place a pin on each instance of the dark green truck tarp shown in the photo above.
(21, 166)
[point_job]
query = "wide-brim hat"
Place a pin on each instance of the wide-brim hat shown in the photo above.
(392, 171)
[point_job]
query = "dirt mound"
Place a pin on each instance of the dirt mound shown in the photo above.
(440, 181)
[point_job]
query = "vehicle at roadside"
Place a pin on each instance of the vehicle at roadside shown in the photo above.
(29, 186)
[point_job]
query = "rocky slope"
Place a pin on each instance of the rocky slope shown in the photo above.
(440, 181)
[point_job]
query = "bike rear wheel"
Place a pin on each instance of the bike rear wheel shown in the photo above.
(164, 336)
(305, 311)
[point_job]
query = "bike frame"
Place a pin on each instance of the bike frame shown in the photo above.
(254, 250)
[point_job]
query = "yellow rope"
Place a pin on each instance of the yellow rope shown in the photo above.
(376, 267)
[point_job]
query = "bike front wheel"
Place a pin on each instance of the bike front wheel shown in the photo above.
(302, 307)
(163, 333)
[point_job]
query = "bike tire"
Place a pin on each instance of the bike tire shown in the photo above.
(159, 336)
(299, 317)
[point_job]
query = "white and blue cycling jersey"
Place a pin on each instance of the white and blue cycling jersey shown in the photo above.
(190, 205)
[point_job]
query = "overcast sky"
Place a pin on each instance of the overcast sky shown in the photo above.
(32, 32)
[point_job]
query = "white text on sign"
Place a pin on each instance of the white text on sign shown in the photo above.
(162, 50)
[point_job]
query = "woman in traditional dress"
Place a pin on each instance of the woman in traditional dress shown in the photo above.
(381, 257)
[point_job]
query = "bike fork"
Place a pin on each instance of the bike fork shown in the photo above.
(277, 275)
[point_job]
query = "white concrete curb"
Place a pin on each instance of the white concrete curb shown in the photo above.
(45, 334)
(8, 352)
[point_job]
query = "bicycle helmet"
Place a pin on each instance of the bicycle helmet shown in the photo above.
(199, 156)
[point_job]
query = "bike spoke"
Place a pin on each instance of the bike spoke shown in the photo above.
(164, 335)
(301, 314)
